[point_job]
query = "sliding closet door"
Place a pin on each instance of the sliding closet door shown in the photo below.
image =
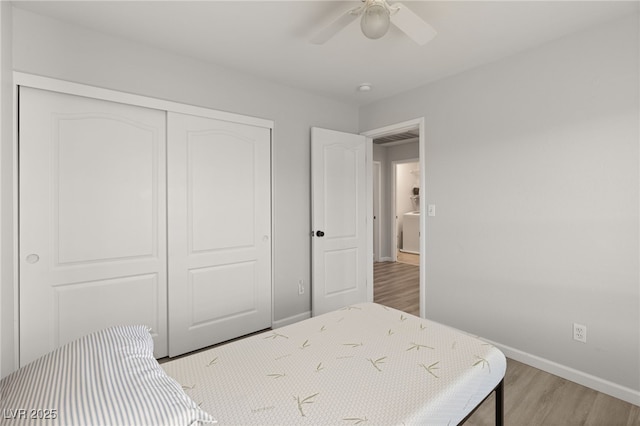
(92, 219)
(219, 231)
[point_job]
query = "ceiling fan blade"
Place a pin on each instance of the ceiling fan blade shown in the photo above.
(412, 25)
(334, 28)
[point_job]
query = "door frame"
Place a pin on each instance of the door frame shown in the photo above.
(377, 214)
(79, 89)
(399, 128)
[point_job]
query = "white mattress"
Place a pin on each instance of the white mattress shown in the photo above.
(363, 364)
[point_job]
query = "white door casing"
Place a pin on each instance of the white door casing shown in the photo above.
(92, 219)
(377, 211)
(219, 179)
(341, 225)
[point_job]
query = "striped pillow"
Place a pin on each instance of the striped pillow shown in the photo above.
(106, 378)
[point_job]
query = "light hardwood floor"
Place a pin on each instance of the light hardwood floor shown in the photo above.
(532, 397)
(397, 285)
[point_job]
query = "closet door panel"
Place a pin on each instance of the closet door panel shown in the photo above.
(103, 298)
(105, 177)
(219, 231)
(207, 284)
(221, 169)
(92, 219)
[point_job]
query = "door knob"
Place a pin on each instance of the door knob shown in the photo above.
(319, 233)
(33, 258)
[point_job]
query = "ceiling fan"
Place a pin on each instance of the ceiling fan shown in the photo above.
(375, 19)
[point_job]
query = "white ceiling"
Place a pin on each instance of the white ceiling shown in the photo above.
(269, 39)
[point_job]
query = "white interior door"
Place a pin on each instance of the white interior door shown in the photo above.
(220, 231)
(342, 254)
(92, 219)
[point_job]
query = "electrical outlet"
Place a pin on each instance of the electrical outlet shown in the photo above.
(300, 287)
(580, 332)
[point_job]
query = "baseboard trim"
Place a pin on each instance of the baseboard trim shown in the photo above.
(386, 259)
(291, 320)
(601, 385)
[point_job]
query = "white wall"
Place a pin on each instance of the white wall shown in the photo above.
(55, 49)
(533, 163)
(6, 194)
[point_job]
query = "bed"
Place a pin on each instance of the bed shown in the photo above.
(364, 364)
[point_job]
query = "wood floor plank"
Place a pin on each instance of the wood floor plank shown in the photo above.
(578, 397)
(532, 404)
(634, 416)
(397, 285)
(607, 410)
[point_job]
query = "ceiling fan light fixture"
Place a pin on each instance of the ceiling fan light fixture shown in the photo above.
(375, 21)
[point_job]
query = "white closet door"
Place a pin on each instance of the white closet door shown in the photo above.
(92, 219)
(219, 231)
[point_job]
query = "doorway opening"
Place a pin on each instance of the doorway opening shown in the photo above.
(398, 182)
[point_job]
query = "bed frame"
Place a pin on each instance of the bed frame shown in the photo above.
(499, 404)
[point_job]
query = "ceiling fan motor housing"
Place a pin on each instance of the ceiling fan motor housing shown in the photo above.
(375, 20)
